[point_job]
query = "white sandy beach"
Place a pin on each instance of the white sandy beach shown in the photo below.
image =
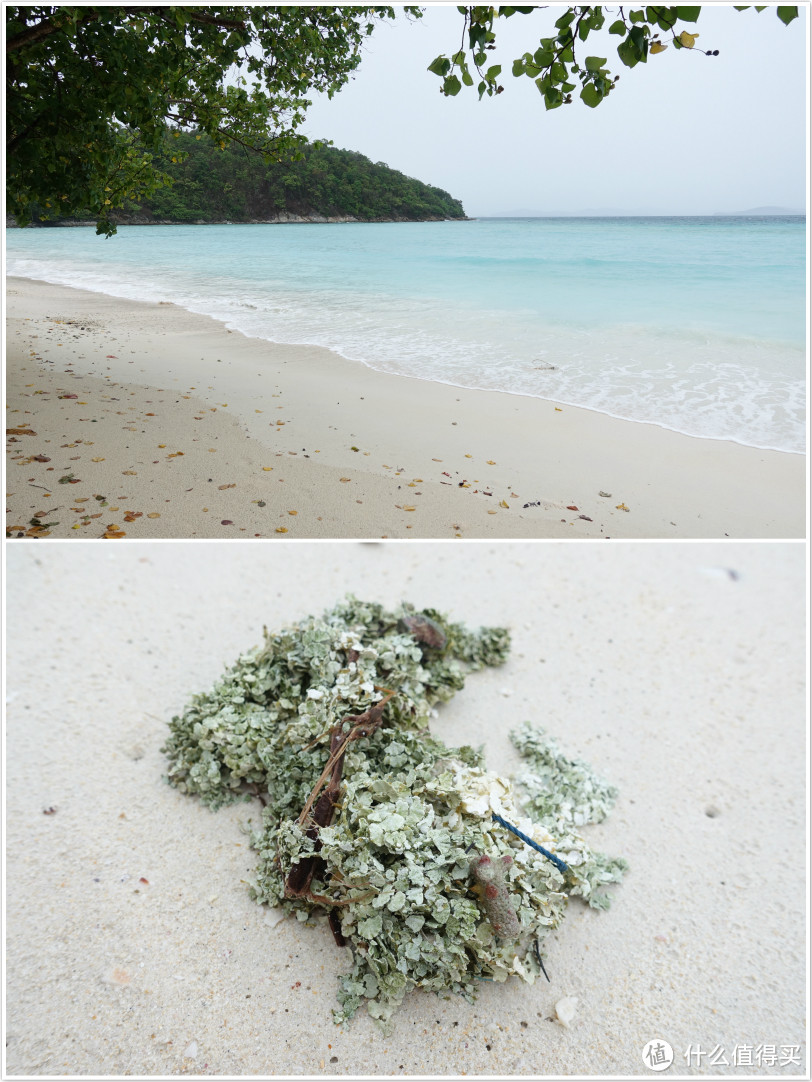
(677, 670)
(143, 420)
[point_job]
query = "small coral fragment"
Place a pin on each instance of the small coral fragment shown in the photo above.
(490, 875)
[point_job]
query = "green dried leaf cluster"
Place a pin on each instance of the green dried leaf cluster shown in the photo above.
(412, 812)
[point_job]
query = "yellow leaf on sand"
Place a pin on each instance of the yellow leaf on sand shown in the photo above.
(130, 473)
(558, 409)
(504, 503)
(344, 479)
(154, 514)
(267, 468)
(293, 512)
(469, 456)
(408, 507)
(491, 512)
(162, 445)
(491, 462)
(97, 460)
(281, 529)
(622, 507)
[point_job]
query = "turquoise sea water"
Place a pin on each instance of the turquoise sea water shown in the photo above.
(694, 324)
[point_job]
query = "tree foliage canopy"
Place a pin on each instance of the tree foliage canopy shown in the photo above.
(560, 63)
(91, 90)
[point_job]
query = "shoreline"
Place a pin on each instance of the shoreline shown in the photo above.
(398, 456)
(230, 325)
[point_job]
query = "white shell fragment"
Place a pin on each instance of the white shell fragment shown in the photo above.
(565, 1010)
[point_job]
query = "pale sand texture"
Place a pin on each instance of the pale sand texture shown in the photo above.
(682, 684)
(178, 418)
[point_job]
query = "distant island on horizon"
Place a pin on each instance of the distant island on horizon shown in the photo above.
(610, 212)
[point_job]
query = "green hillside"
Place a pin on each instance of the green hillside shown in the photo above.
(214, 184)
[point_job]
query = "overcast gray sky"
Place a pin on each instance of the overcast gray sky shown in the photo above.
(682, 134)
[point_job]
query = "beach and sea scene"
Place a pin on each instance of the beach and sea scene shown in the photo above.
(677, 326)
(694, 324)
(448, 320)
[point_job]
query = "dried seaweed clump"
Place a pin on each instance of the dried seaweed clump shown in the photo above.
(397, 843)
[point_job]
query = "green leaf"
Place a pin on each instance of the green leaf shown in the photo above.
(440, 66)
(519, 67)
(637, 16)
(665, 18)
(492, 72)
(618, 27)
(594, 63)
(590, 96)
(565, 20)
(787, 14)
(688, 15)
(628, 53)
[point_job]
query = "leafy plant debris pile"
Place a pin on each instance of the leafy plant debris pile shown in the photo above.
(369, 817)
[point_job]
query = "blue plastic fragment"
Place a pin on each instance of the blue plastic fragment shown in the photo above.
(562, 867)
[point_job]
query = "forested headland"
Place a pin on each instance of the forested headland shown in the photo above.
(210, 183)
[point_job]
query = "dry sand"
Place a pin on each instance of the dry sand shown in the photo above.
(145, 420)
(676, 669)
